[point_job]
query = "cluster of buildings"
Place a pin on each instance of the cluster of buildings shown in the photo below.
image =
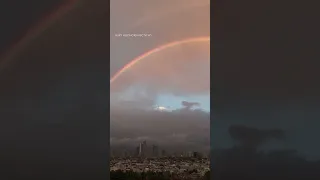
(145, 151)
(154, 159)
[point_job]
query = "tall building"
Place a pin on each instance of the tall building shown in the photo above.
(140, 149)
(143, 149)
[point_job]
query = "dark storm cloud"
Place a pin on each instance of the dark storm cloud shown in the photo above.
(189, 105)
(299, 122)
(170, 129)
(253, 137)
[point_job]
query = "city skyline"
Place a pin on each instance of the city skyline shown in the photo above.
(142, 150)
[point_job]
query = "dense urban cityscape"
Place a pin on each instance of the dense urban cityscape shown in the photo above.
(170, 165)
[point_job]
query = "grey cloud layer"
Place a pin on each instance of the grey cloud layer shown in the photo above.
(180, 128)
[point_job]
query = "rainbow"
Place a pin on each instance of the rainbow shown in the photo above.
(32, 33)
(155, 50)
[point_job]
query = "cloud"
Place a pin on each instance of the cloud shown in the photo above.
(189, 105)
(253, 137)
(177, 129)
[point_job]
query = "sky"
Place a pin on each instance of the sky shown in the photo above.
(167, 78)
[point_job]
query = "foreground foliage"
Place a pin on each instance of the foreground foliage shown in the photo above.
(130, 175)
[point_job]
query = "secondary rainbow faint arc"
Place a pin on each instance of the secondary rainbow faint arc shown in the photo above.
(155, 50)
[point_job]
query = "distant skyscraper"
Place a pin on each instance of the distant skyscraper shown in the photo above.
(145, 149)
(142, 149)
